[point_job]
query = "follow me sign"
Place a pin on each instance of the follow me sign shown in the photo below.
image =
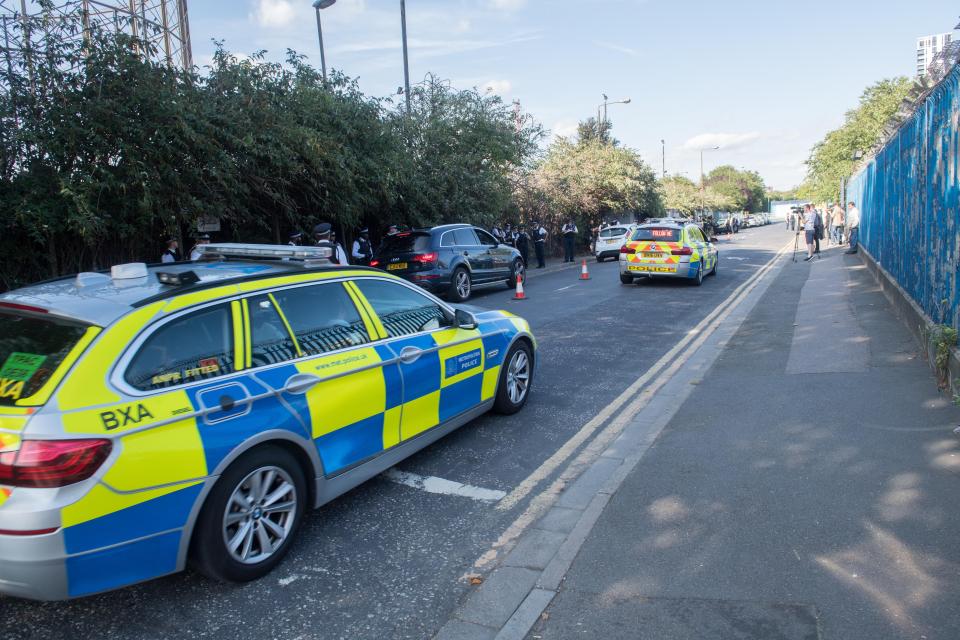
(464, 362)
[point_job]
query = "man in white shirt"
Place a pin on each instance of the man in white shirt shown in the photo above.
(853, 226)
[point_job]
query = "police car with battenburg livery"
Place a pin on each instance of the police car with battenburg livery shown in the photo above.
(154, 416)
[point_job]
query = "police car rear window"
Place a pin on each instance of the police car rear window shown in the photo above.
(405, 243)
(31, 349)
(657, 234)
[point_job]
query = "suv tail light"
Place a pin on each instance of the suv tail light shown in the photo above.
(627, 250)
(44, 464)
(427, 257)
(686, 251)
(374, 263)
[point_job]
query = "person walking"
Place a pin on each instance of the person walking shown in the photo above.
(853, 226)
(523, 245)
(171, 253)
(202, 239)
(837, 220)
(323, 236)
(569, 240)
(362, 251)
(539, 239)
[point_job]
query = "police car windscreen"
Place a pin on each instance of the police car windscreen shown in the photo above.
(406, 243)
(31, 349)
(657, 234)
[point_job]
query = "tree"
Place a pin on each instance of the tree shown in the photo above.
(680, 194)
(832, 159)
(592, 130)
(741, 190)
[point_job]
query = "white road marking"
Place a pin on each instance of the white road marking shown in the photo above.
(565, 288)
(735, 258)
(539, 505)
(432, 484)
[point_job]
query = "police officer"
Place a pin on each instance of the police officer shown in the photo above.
(523, 245)
(539, 238)
(569, 240)
(362, 251)
(322, 235)
(202, 239)
(296, 239)
(172, 252)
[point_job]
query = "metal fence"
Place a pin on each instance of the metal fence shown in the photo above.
(909, 198)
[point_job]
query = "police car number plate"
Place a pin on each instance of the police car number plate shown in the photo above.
(648, 269)
(397, 266)
(652, 254)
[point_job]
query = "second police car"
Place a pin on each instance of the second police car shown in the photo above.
(192, 412)
(668, 248)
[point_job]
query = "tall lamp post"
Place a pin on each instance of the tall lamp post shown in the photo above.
(406, 62)
(703, 183)
(322, 4)
(602, 109)
(663, 156)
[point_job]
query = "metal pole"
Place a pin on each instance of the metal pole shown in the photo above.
(406, 60)
(323, 57)
(663, 156)
(703, 206)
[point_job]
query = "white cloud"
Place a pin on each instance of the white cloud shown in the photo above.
(501, 87)
(274, 13)
(633, 53)
(463, 25)
(722, 140)
(564, 128)
(507, 5)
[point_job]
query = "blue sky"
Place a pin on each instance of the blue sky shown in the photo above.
(765, 80)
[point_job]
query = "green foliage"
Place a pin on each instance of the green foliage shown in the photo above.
(680, 194)
(944, 339)
(740, 190)
(104, 153)
(832, 159)
(589, 181)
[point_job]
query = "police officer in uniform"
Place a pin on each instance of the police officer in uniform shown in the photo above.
(172, 252)
(523, 244)
(539, 238)
(322, 235)
(296, 239)
(203, 238)
(362, 251)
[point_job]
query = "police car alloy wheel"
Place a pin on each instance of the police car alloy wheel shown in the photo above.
(698, 279)
(516, 375)
(251, 516)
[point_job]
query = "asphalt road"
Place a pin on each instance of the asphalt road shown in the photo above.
(388, 560)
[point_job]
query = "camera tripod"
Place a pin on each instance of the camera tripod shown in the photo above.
(796, 244)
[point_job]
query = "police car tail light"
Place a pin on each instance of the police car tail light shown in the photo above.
(626, 250)
(686, 251)
(42, 464)
(427, 257)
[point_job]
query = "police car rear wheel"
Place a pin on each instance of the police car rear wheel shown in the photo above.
(626, 279)
(251, 516)
(515, 378)
(698, 279)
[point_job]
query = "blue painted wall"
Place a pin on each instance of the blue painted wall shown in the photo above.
(908, 199)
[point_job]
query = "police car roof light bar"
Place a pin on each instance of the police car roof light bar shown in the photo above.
(263, 252)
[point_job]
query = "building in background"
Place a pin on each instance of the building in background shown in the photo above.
(927, 49)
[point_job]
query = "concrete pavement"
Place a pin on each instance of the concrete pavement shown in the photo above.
(805, 489)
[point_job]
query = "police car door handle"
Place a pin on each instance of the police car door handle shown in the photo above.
(409, 355)
(300, 383)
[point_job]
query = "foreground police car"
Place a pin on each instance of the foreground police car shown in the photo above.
(193, 411)
(673, 249)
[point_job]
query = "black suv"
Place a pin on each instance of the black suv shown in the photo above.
(449, 260)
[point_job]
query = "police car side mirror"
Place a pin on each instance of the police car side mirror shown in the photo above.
(713, 238)
(464, 320)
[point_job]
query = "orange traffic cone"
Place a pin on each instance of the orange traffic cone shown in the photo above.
(584, 274)
(519, 295)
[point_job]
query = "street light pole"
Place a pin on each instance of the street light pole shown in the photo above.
(663, 156)
(317, 6)
(406, 61)
(606, 101)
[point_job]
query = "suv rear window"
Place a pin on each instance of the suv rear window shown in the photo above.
(657, 234)
(31, 349)
(613, 232)
(406, 243)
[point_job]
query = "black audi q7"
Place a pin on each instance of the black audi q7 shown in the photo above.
(450, 259)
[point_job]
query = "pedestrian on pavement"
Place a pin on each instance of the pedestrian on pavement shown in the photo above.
(853, 226)
(787, 221)
(827, 223)
(323, 236)
(809, 230)
(295, 239)
(539, 238)
(497, 232)
(172, 252)
(523, 245)
(837, 220)
(362, 251)
(202, 239)
(569, 240)
(818, 230)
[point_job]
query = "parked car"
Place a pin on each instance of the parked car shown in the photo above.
(610, 239)
(449, 260)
